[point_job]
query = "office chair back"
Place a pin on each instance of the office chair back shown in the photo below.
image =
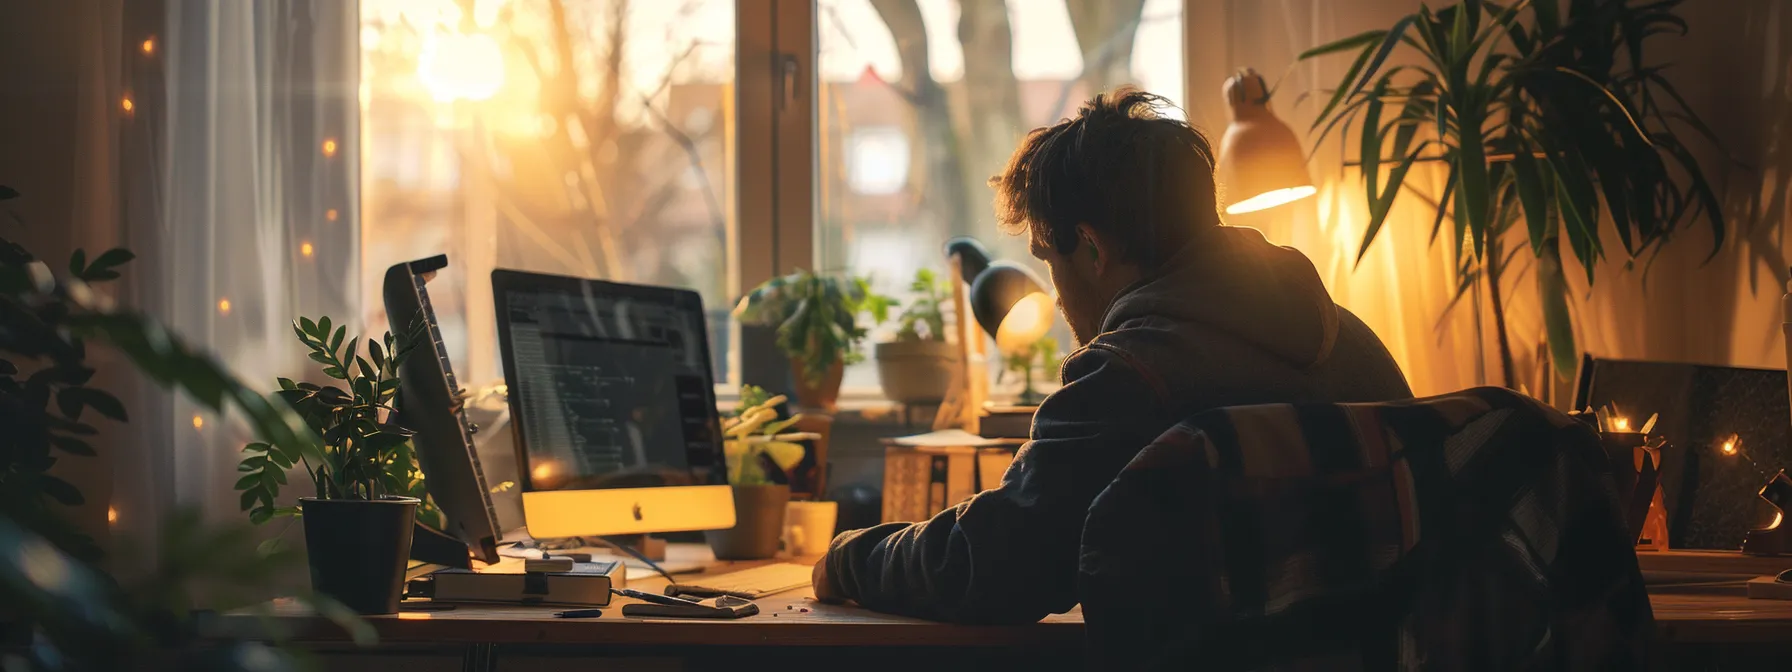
(1478, 530)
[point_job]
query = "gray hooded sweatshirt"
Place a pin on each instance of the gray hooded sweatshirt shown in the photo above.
(1230, 320)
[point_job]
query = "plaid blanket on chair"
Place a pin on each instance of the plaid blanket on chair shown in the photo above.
(1478, 530)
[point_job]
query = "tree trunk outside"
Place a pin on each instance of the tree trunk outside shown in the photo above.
(939, 149)
(992, 112)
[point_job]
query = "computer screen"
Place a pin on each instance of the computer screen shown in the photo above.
(610, 384)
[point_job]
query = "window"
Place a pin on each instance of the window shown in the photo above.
(570, 137)
(961, 83)
(601, 138)
(877, 160)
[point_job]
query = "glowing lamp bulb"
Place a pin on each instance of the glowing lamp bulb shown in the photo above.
(1028, 320)
(461, 67)
(1730, 445)
(1621, 424)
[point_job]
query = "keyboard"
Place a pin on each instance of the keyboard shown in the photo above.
(751, 584)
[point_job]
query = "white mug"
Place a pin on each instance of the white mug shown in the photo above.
(809, 527)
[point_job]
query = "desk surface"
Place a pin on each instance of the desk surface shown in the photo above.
(1700, 614)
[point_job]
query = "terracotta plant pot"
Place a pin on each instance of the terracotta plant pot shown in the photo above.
(758, 524)
(358, 549)
(916, 372)
(821, 395)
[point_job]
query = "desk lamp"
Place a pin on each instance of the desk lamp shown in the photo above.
(1260, 164)
(1008, 301)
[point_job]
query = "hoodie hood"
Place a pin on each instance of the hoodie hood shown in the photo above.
(1233, 280)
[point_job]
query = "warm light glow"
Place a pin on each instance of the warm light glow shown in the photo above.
(461, 67)
(413, 615)
(149, 46)
(198, 422)
(128, 105)
(1028, 320)
(1270, 199)
(543, 472)
(305, 250)
(1621, 424)
(330, 214)
(111, 515)
(1730, 445)
(330, 147)
(224, 306)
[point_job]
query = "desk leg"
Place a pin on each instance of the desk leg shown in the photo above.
(480, 658)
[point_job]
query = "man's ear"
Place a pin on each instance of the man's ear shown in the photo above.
(1091, 243)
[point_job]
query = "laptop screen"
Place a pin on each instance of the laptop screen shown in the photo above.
(610, 385)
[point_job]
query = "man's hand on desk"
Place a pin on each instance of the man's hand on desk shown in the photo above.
(824, 588)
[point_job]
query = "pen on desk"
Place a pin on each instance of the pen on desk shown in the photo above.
(650, 597)
(579, 613)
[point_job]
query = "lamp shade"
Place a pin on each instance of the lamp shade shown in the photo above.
(972, 256)
(1261, 163)
(1011, 305)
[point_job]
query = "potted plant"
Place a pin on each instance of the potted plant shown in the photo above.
(358, 525)
(917, 367)
(759, 454)
(1042, 357)
(817, 317)
(1546, 121)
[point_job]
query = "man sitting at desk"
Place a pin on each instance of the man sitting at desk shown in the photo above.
(1175, 313)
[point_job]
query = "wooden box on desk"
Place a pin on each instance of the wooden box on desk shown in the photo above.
(922, 480)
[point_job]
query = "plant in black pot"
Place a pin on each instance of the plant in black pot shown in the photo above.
(358, 526)
(917, 367)
(760, 454)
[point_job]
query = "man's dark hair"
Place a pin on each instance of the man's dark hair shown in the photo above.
(1119, 166)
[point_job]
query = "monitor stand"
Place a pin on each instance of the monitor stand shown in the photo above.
(438, 548)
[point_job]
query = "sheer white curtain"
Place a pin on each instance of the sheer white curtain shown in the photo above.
(246, 136)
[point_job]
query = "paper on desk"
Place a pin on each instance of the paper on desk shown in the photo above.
(948, 438)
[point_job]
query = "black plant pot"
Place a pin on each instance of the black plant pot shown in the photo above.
(358, 549)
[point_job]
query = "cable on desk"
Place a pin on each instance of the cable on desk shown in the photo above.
(625, 548)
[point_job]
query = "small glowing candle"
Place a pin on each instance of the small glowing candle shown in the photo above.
(1730, 445)
(1621, 424)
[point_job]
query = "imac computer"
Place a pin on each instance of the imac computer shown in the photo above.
(613, 403)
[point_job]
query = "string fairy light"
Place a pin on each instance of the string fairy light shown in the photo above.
(149, 46)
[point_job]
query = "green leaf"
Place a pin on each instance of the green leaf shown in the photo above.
(1370, 149)
(323, 328)
(378, 354)
(1388, 42)
(1343, 89)
(1384, 202)
(60, 490)
(1443, 201)
(309, 329)
(1552, 288)
(72, 446)
(7, 193)
(101, 402)
(1531, 195)
(107, 261)
(247, 500)
(249, 481)
(77, 262)
(260, 515)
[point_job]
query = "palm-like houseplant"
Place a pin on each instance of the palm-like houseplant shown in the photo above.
(817, 318)
(1543, 117)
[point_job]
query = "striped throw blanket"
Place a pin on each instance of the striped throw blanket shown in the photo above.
(1478, 530)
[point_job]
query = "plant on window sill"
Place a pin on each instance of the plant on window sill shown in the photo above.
(817, 318)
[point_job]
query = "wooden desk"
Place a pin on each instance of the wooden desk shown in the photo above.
(1696, 622)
